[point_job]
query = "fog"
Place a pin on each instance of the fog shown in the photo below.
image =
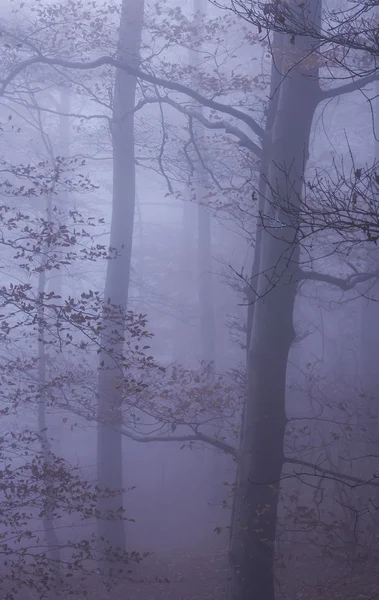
(189, 321)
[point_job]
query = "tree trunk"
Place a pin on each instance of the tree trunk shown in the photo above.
(261, 450)
(369, 415)
(204, 228)
(109, 441)
(63, 198)
(369, 369)
(60, 202)
(184, 318)
(275, 81)
(206, 302)
(370, 324)
(52, 542)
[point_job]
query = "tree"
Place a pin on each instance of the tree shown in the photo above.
(118, 268)
(38, 487)
(71, 502)
(253, 535)
(284, 182)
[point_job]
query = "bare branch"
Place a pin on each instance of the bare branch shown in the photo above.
(355, 481)
(118, 64)
(197, 436)
(161, 150)
(353, 86)
(344, 284)
(244, 140)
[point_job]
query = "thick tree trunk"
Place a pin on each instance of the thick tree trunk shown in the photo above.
(369, 369)
(369, 343)
(261, 451)
(370, 318)
(109, 441)
(275, 81)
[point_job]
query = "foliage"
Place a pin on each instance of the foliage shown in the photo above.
(27, 563)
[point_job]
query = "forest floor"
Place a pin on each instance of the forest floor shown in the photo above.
(202, 574)
(184, 575)
(329, 581)
(196, 575)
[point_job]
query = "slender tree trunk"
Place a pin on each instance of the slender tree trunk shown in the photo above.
(215, 466)
(54, 282)
(261, 452)
(51, 537)
(54, 278)
(47, 518)
(204, 226)
(109, 441)
(202, 220)
(184, 319)
(206, 296)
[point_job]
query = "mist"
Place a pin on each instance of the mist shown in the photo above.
(189, 319)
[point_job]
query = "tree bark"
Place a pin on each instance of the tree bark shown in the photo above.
(261, 451)
(275, 81)
(369, 346)
(109, 439)
(370, 318)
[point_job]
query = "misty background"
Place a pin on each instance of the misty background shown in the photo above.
(189, 319)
